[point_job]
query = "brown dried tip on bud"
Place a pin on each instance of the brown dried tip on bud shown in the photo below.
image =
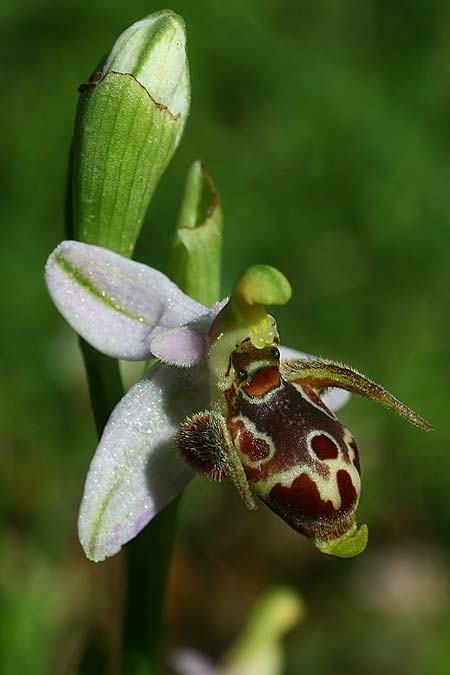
(201, 443)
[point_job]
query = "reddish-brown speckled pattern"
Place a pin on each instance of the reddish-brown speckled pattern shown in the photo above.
(279, 427)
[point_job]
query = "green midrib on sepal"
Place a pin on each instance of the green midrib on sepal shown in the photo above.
(90, 545)
(123, 141)
(91, 542)
(73, 271)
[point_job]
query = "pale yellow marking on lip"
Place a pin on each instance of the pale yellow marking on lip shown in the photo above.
(328, 487)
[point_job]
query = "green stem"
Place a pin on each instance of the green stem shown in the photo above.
(148, 558)
(195, 267)
(105, 384)
(105, 389)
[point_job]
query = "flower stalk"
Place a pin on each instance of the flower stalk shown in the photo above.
(193, 251)
(129, 121)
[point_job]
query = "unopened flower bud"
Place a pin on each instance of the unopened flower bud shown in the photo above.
(129, 122)
(153, 50)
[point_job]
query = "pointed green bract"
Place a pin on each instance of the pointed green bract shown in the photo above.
(197, 248)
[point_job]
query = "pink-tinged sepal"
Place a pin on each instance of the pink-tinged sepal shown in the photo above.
(135, 472)
(124, 308)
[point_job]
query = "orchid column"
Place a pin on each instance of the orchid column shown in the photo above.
(129, 121)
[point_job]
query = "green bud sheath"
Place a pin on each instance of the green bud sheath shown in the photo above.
(197, 248)
(129, 121)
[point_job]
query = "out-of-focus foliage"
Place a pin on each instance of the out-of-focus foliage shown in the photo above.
(325, 126)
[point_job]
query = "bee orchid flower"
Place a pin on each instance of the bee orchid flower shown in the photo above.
(224, 400)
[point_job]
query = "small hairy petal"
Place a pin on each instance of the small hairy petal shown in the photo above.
(334, 399)
(183, 346)
(115, 303)
(135, 471)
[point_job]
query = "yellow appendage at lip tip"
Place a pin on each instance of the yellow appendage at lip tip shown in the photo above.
(348, 546)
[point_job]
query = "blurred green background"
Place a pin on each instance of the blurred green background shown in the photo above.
(326, 127)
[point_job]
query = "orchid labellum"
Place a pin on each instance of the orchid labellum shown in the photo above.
(225, 400)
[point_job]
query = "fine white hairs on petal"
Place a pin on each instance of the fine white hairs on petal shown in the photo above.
(135, 471)
(182, 347)
(115, 303)
(334, 399)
